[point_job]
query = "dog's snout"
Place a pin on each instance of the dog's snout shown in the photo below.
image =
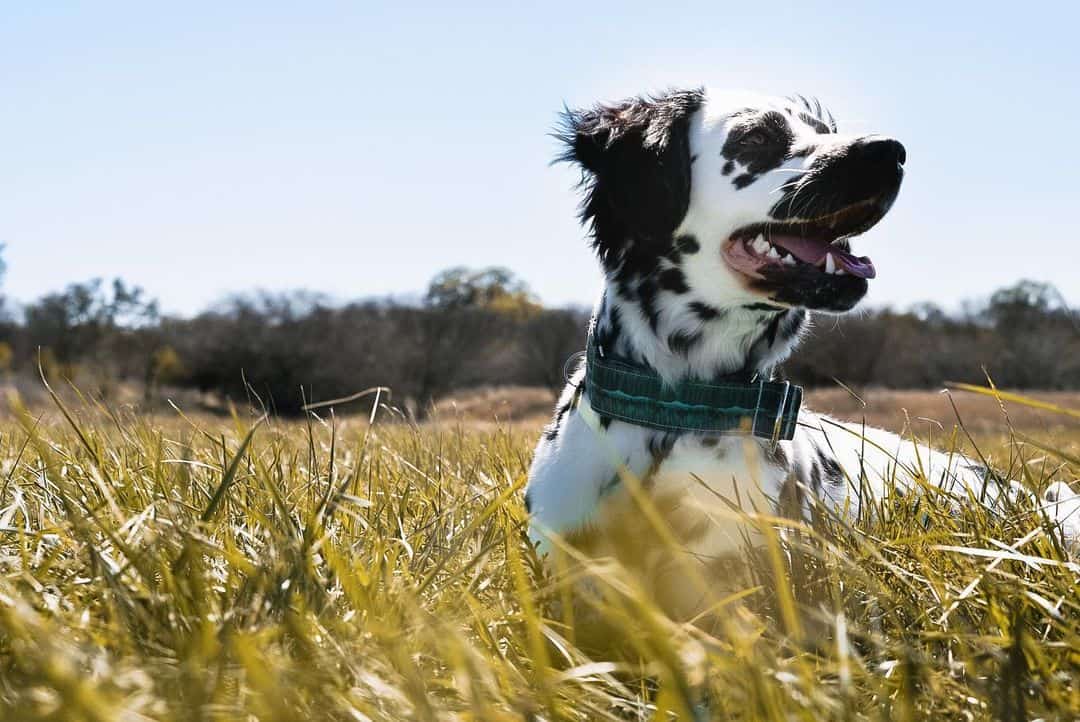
(867, 168)
(880, 149)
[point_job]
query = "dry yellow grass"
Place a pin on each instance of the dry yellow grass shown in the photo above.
(163, 569)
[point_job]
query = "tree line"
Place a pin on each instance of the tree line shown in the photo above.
(484, 328)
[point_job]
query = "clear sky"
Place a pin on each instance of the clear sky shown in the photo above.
(358, 148)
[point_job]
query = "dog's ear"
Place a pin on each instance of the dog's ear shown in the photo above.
(635, 156)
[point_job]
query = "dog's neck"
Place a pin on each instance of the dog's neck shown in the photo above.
(680, 337)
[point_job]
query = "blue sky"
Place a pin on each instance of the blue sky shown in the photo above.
(356, 149)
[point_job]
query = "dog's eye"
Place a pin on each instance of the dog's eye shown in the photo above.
(756, 138)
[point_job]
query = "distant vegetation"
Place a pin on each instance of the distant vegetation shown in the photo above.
(483, 328)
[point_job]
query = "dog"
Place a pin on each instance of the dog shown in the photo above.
(721, 223)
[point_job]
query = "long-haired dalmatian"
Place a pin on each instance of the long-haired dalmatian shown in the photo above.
(721, 222)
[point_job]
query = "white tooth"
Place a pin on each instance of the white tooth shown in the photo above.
(788, 260)
(761, 245)
(830, 264)
(773, 253)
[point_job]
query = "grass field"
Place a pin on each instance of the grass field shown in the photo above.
(170, 568)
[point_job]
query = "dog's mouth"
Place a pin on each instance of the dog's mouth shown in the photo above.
(805, 248)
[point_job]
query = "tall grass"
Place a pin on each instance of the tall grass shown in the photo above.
(179, 569)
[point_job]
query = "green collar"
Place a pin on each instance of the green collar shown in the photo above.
(637, 395)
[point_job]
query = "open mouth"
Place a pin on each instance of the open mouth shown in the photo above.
(819, 245)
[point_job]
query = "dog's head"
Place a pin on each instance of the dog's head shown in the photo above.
(733, 199)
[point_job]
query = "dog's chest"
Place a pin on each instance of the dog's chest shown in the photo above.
(697, 490)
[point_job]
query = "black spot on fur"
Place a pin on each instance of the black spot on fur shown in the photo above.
(793, 322)
(660, 447)
(780, 329)
(729, 167)
(682, 341)
(551, 432)
(790, 323)
(704, 311)
(833, 473)
(815, 476)
(776, 455)
(646, 297)
(609, 333)
(760, 142)
(773, 329)
(762, 307)
(744, 180)
(710, 441)
(605, 422)
(638, 261)
(672, 279)
(687, 244)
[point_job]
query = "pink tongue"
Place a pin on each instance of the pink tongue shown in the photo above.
(813, 252)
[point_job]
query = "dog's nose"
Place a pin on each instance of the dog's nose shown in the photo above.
(879, 149)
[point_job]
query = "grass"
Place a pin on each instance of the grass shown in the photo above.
(178, 569)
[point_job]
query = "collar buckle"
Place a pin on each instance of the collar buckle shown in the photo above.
(778, 416)
(778, 424)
